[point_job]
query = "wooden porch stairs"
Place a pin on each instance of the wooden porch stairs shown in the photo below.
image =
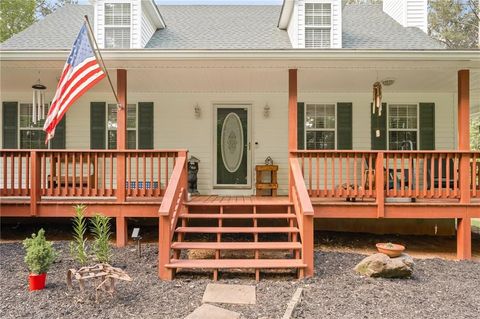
(237, 237)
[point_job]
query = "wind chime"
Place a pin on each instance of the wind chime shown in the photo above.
(38, 102)
(377, 102)
(377, 98)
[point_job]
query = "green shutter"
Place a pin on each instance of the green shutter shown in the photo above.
(97, 125)
(59, 139)
(344, 126)
(10, 125)
(145, 125)
(379, 123)
(427, 126)
(300, 125)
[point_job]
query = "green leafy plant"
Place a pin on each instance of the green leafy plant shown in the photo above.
(101, 234)
(40, 253)
(78, 248)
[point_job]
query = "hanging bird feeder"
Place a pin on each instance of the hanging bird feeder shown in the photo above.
(38, 102)
(377, 98)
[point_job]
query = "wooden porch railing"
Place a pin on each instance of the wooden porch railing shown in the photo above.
(86, 173)
(172, 205)
(402, 174)
(304, 212)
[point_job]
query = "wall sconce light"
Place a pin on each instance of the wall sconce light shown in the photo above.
(266, 110)
(197, 110)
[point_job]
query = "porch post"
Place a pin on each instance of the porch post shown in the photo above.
(292, 121)
(464, 232)
(121, 221)
(292, 110)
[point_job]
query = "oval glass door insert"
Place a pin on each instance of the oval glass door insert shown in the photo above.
(232, 142)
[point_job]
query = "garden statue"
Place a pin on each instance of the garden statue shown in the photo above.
(192, 175)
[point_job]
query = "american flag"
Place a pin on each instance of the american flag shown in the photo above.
(80, 73)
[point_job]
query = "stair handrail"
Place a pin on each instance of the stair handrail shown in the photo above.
(175, 193)
(299, 189)
(304, 214)
(172, 205)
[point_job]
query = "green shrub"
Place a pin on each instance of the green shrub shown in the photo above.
(40, 254)
(78, 248)
(101, 234)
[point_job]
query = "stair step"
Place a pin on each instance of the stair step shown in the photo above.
(237, 216)
(228, 230)
(236, 263)
(237, 245)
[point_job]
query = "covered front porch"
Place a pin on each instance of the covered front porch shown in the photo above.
(438, 179)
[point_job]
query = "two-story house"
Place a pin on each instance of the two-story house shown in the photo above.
(234, 85)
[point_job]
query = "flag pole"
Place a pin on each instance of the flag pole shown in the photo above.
(97, 50)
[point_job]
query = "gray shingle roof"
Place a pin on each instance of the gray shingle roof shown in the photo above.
(228, 27)
(220, 27)
(56, 31)
(368, 27)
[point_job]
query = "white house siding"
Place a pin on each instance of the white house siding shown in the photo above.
(409, 13)
(175, 125)
(336, 21)
(147, 28)
(293, 29)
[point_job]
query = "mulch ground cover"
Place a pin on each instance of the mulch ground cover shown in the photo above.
(438, 289)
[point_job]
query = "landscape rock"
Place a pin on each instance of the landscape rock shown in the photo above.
(380, 265)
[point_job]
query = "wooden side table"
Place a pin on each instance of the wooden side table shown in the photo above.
(261, 184)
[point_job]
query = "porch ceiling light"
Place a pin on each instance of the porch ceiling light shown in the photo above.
(197, 110)
(388, 81)
(38, 102)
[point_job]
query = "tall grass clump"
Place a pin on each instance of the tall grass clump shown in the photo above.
(78, 248)
(101, 233)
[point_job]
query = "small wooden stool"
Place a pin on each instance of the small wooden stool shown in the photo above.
(262, 185)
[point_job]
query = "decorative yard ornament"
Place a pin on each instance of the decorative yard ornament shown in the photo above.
(377, 98)
(268, 161)
(38, 102)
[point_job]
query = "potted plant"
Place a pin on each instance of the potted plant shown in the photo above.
(40, 255)
(392, 250)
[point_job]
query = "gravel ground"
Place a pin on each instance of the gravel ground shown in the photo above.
(439, 289)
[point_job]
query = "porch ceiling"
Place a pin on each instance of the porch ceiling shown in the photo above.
(256, 76)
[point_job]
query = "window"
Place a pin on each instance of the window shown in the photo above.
(117, 25)
(318, 25)
(320, 126)
(402, 126)
(31, 135)
(131, 126)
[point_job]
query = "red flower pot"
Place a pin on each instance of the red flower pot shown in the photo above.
(392, 250)
(37, 282)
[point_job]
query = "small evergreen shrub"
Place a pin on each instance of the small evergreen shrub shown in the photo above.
(78, 248)
(101, 234)
(40, 254)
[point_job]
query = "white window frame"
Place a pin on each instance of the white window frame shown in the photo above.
(128, 129)
(113, 26)
(319, 129)
(305, 27)
(20, 128)
(403, 130)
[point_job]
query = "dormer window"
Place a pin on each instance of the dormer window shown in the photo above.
(117, 25)
(318, 25)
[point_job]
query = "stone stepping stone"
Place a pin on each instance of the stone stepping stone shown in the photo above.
(212, 312)
(232, 294)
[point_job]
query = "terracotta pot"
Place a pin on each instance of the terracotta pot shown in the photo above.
(37, 282)
(392, 250)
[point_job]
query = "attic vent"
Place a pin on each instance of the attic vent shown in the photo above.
(318, 25)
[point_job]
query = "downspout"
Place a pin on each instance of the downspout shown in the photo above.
(285, 14)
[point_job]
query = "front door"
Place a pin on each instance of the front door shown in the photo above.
(232, 146)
